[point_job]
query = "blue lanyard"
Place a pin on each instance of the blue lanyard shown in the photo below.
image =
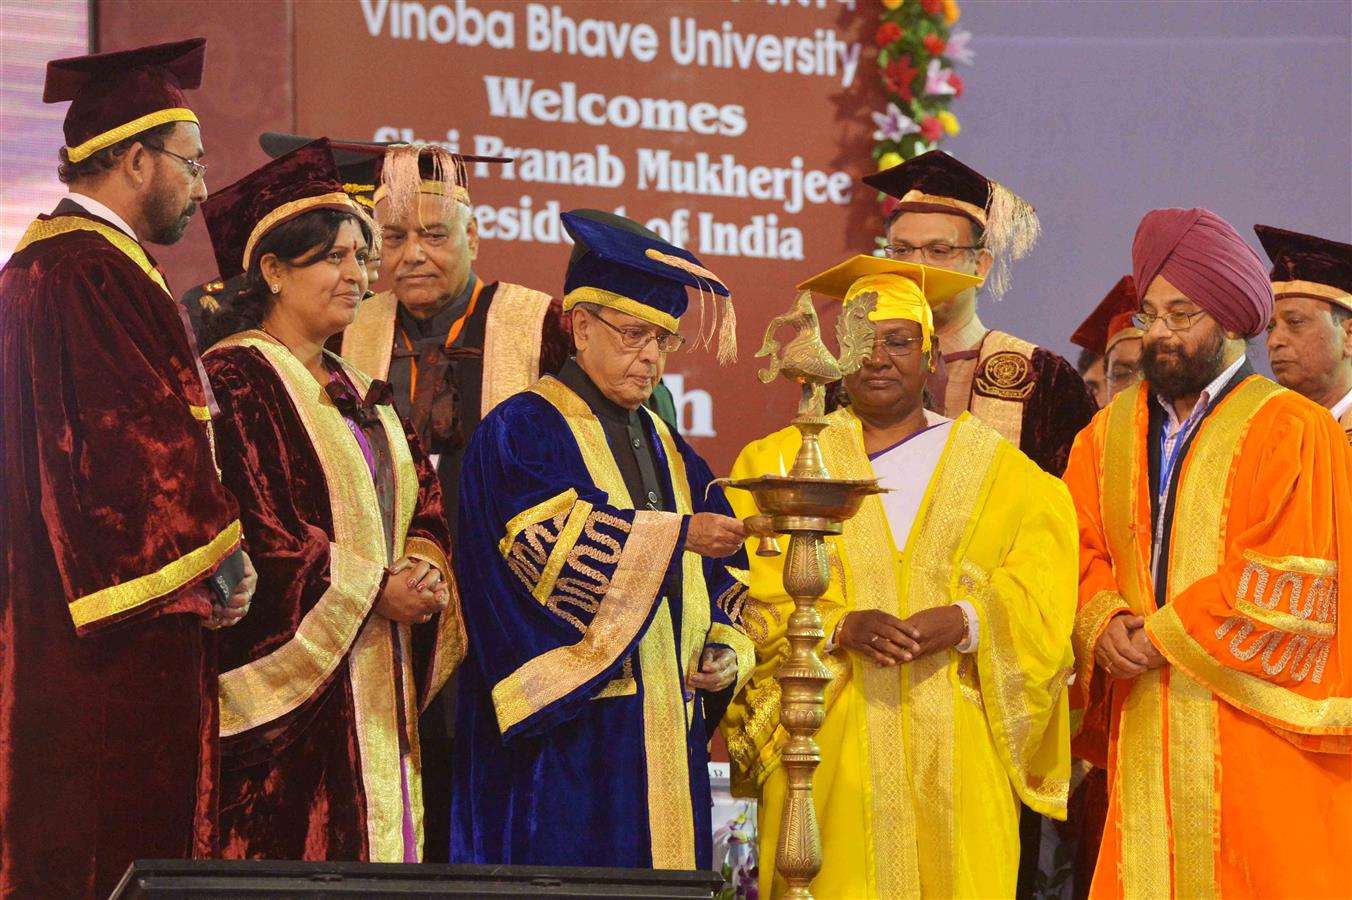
(1169, 459)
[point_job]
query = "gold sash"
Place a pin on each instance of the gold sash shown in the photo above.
(1001, 405)
(1170, 838)
(339, 626)
(912, 705)
(511, 361)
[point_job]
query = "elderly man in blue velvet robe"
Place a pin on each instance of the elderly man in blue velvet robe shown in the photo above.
(602, 581)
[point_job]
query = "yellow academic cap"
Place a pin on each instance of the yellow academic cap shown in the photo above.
(938, 285)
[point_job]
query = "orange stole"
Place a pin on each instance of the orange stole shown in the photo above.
(1229, 767)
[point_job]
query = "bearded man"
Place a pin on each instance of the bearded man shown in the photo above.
(113, 511)
(1215, 515)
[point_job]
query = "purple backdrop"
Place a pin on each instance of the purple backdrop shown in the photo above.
(1099, 111)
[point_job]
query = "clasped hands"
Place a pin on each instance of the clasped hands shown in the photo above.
(889, 641)
(1124, 650)
(414, 598)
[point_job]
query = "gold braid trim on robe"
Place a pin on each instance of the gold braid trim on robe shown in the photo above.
(636, 581)
(1002, 382)
(452, 643)
(368, 343)
(695, 609)
(340, 627)
(1170, 826)
(511, 343)
(741, 645)
(908, 715)
(1089, 625)
(118, 599)
(121, 598)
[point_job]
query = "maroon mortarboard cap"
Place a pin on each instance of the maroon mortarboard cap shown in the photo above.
(935, 182)
(240, 215)
(1110, 321)
(114, 96)
(358, 170)
(1307, 266)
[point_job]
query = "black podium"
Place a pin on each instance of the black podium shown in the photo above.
(207, 879)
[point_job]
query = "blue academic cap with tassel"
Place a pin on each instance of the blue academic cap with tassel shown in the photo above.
(620, 264)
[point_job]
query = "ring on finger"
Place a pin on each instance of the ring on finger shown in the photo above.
(874, 639)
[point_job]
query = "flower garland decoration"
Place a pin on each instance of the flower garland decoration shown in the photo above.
(917, 51)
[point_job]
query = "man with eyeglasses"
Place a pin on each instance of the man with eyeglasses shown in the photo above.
(114, 517)
(1215, 515)
(948, 619)
(599, 569)
(1309, 340)
(452, 344)
(1112, 335)
(952, 217)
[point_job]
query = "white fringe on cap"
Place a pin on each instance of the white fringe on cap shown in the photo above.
(1012, 229)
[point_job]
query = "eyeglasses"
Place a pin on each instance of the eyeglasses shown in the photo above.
(898, 346)
(935, 253)
(197, 170)
(635, 338)
(1174, 321)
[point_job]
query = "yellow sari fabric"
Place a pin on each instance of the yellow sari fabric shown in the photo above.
(923, 765)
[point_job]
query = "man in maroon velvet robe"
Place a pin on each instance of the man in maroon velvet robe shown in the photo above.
(113, 510)
(950, 216)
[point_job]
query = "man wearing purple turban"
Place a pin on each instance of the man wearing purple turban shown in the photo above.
(1215, 512)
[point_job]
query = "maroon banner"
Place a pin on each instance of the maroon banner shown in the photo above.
(735, 129)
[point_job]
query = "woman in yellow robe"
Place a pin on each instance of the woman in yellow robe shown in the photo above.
(926, 751)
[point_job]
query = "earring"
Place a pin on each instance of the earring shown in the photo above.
(276, 288)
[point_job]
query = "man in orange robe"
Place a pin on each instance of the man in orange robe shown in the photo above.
(1215, 514)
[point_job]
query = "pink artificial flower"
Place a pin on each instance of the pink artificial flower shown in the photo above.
(936, 79)
(957, 49)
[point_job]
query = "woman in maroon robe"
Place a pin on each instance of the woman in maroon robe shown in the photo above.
(352, 625)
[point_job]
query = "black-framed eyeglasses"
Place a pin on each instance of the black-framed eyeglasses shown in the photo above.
(898, 346)
(197, 170)
(1174, 321)
(937, 252)
(634, 338)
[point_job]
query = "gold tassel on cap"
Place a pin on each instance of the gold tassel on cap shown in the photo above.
(727, 334)
(1012, 228)
(727, 330)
